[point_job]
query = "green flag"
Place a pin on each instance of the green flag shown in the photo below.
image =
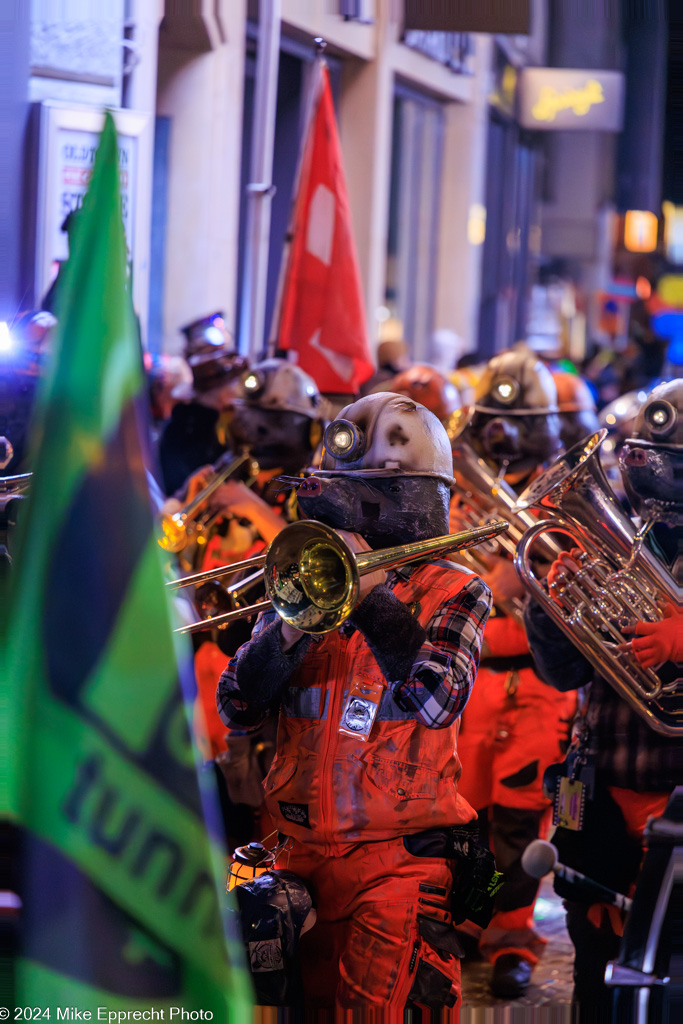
(119, 873)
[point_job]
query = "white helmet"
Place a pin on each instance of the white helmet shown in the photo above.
(516, 383)
(281, 386)
(386, 435)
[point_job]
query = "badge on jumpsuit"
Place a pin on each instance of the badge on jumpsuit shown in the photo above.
(360, 709)
(570, 799)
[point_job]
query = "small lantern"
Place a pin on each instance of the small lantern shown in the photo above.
(248, 863)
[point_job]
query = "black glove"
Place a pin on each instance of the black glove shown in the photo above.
(393, 634)
(263, 669)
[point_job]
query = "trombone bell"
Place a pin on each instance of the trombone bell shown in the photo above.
(177, 526)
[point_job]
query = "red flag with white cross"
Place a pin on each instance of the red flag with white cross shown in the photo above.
(322, 315)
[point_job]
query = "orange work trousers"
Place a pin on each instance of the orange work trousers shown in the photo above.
(383, 938)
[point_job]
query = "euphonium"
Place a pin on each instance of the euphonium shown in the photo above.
(312, 577)
(620, 581)
(177, 527)
(486, 496)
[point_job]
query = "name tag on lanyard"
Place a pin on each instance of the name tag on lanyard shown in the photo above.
(360, 709)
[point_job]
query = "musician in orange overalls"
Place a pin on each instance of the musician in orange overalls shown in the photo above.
(275, 416)
(366, 774)
(515, 725)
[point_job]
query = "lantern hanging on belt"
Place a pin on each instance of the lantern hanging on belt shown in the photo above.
(248, 863)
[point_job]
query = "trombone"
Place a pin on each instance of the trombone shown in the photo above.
(13, 487)
(312, 577)
(176, 527)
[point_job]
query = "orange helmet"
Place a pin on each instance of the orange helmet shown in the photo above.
(573, 394)
(425, 385)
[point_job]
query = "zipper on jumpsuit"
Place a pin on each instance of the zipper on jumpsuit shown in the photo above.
(332, 737)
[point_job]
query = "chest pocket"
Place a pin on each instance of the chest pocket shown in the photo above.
(401, 780)
(281, 771)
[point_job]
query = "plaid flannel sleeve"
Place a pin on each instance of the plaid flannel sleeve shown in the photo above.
(444, 670)
(234, 711)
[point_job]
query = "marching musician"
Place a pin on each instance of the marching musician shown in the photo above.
(197, 432)
(276, 416)
(514, 726)
(619, 770)
(366, 768)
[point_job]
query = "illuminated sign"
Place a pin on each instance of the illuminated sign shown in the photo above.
(554, 99)
(640, 231)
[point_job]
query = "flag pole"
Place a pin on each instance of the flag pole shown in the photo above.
(260, 190)
(311, 103)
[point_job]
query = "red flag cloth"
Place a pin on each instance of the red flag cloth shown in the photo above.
(322, 316)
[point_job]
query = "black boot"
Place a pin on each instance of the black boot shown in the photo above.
(511, 976)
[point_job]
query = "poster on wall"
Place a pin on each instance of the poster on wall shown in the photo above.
(68, 140)
(75, 158)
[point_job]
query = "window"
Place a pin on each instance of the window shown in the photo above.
(417, 157)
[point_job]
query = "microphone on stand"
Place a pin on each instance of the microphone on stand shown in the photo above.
(540, 857)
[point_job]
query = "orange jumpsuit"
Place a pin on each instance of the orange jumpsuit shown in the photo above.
(384, 932)
(513, 727)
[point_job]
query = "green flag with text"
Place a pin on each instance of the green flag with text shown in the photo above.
(119, 870)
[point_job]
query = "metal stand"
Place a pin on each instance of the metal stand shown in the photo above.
(648, 976)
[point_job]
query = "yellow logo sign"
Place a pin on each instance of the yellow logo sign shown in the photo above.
(550, 102)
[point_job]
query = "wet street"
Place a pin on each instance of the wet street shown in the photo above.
(551, 982)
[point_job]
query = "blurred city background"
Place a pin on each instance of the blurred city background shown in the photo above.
(507, 178)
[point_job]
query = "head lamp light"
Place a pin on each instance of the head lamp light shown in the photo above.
(505, 390)
(661, 418)
(253, 384)
(344, 440)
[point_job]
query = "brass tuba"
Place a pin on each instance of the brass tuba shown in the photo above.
(486, 497)
(620, 581)
(312, 576)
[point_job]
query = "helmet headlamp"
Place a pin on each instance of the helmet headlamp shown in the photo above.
(344, 440)
(505, 390)
(661, 418)
(253, 384)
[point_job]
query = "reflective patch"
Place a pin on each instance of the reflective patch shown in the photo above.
(302, 702)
